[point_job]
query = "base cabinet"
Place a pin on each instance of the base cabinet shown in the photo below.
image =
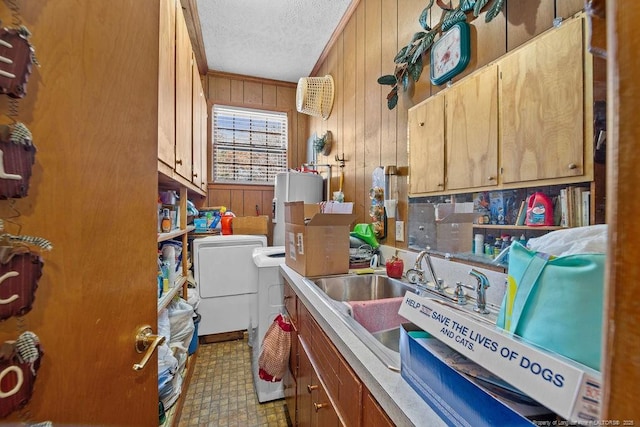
(321, 389)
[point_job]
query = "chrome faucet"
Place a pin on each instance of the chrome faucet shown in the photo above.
(483, 284)
(416, 274)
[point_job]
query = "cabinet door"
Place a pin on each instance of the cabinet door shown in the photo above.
(306, 386)
(426, 146)
(472, 131)
(167, 84)
(204, 143)
(196, 124)
(541, 98)
(324, 414)
(372, 413)
(184, 107)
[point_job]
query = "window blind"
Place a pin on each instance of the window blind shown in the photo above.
(249, 146)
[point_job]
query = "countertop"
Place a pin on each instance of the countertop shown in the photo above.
(401, 403)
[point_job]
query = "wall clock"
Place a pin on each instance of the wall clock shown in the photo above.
(450, 54)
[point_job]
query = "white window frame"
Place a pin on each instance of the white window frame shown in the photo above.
(249, 146)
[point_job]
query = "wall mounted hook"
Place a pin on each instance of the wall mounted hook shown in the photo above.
(340, 160)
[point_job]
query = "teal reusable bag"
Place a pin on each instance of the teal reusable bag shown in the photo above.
(556, 303)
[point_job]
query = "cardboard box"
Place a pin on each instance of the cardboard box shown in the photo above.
(319, 246)
(567, 388)
(454, 233)
(251, 225)
(440, 374)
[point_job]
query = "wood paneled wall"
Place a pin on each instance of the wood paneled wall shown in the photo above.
(251, 92)
(364, 129)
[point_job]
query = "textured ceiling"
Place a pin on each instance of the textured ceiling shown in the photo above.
(272, 39)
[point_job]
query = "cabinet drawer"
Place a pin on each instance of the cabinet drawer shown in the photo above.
(291, 303)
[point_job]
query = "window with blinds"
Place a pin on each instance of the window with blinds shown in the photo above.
(249, 146)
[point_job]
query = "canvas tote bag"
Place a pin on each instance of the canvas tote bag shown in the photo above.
(273, 361)
(556, 302)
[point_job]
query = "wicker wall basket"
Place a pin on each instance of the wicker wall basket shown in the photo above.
(314, 96)
(17, 155)
(19, 363)
(20, 270)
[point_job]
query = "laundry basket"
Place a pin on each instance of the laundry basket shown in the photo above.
(314, 96)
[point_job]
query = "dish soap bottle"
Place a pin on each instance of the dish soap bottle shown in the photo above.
(165, 225)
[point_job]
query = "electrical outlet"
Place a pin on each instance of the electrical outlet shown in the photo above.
(400, 231)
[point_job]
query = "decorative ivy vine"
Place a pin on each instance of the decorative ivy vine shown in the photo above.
(408, 60)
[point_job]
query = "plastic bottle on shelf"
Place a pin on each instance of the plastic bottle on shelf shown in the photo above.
(497, 247)
(165, 224)
(523, 240)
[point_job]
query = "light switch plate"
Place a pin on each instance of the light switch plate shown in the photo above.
(400, 231)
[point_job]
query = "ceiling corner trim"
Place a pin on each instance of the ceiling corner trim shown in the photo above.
(190, 10)
(334, 37)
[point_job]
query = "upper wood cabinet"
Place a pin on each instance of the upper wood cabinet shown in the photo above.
(426, 146)
(453, 137)
(472, 131)
(184, 91)
(524, 120)
(542, 120)
(166, 83)
(199, 130)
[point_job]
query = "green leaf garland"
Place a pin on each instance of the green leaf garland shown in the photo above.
(409, 59)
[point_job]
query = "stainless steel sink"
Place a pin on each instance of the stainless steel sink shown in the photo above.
(389, 338)
(340, 290)
(362, 287)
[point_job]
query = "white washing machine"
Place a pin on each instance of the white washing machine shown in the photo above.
(270, 299)
(227, 281)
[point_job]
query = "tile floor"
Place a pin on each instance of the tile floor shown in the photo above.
(221, 390)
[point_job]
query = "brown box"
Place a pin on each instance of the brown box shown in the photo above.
(251, 225)
(321, 246)
(454, 233)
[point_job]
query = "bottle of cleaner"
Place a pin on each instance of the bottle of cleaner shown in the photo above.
(539, 210)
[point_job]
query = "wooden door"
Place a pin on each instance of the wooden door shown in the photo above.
(184, 92)
(167, 83)
(472, 131)
(426, 146)
(542, 116)
(197, 95)
(92, 107)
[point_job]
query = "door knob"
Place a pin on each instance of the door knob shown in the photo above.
(145, 340)
(318, 406)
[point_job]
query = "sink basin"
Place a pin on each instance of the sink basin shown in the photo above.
(369, 304)
(362, 287)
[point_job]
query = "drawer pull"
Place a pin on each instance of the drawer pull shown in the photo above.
(178, 162)
(310, 388)
(573, 166)
(318, 406)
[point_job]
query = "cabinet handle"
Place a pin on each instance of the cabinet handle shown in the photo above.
(195, 175)
(421, 124)
(318, 406)
(178, 162)
(440, 184)
(572, 166)
(491, 178)
(311, 387)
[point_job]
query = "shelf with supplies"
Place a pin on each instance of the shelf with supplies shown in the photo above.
(519, 227)
(174, 233)
(167, 297)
